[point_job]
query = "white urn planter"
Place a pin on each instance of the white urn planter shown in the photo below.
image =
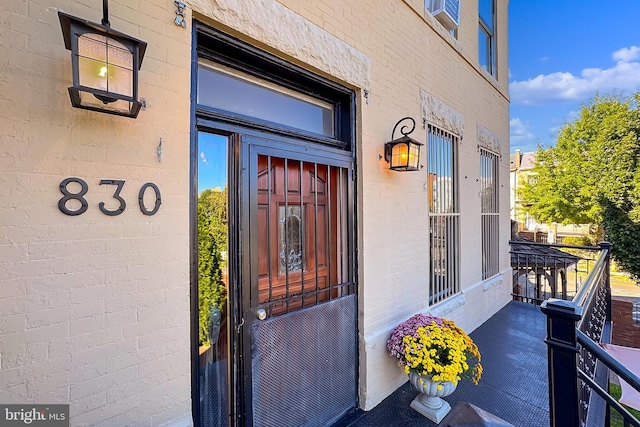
(429, 402)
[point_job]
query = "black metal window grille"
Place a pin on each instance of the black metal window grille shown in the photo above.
(490, 212)
(444, 215)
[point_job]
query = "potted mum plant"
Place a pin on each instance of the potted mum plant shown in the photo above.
(436, 354)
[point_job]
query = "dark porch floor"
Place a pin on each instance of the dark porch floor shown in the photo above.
(514, 385)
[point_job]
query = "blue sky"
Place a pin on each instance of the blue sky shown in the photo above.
(560, 54)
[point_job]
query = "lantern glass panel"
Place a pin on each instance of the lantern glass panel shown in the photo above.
(399, 155)
(414, 155)
(105, 64)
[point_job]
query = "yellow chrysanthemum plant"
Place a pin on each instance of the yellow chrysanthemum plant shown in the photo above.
(436, 348)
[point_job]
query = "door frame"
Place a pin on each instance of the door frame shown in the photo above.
(252, 145)
(211, 44)
(242, 247)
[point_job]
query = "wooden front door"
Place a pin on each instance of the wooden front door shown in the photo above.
(297, 224)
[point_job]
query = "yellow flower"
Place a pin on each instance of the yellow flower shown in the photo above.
(443, 352)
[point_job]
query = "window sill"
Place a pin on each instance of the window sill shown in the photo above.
(443, 308)
(492, 282)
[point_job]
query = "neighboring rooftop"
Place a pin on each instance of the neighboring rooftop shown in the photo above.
(521, 161)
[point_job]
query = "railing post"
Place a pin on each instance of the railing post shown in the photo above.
(607, 276)
(562, 350)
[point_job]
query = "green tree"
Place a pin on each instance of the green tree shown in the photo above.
(212, 246)
(592, 175)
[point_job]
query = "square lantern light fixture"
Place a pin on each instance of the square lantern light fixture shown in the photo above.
(105, 65)
(403, 154)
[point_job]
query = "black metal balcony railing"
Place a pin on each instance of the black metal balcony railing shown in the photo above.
(578, 318)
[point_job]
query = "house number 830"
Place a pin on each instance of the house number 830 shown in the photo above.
(84, 188)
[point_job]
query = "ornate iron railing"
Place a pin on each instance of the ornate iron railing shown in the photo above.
(577, 364)
(542, 270)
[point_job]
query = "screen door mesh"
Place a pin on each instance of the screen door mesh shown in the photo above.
(304, 365)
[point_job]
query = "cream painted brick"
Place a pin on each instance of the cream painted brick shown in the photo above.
(89, 403)
(20, 355)
(124, 360)
(18, 7)
(80, 343)
(159, 336)
(86, 310)
(140, 300)
(96, 352)
(103, 382)
(105, 412)
(121, 318)
(14, 323)
(136, 329)
(50, 375)
(63, 282)
(88, 371)
(88, 293)
(48, 317)
(86, 325)
(162, 364)
(15, 394)
(135, 386)
(10, 378)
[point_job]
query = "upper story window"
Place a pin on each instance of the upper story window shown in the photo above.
(487, 35)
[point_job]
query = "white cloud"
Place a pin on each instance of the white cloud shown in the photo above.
(626, 54)
(519, 132)
(565, 87)
(203, 157)
(571, 116)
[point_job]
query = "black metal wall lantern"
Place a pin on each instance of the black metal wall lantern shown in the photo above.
(105, 65)
(403, 154)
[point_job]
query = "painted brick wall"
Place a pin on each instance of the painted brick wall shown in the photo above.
(94, 309)
(625, 332)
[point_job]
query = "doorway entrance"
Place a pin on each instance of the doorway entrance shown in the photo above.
(300, 316)
(274, 279)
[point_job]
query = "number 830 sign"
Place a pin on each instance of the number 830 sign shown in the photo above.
(84, 188)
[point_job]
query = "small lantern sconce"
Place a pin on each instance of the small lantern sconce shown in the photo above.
(105, 65)
(403, 154)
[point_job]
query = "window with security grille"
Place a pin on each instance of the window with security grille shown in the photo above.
(489, 212)
(444, 214)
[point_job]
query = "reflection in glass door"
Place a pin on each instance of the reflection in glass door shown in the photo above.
(213, 302)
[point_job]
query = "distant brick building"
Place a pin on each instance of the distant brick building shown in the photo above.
(625, 315)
